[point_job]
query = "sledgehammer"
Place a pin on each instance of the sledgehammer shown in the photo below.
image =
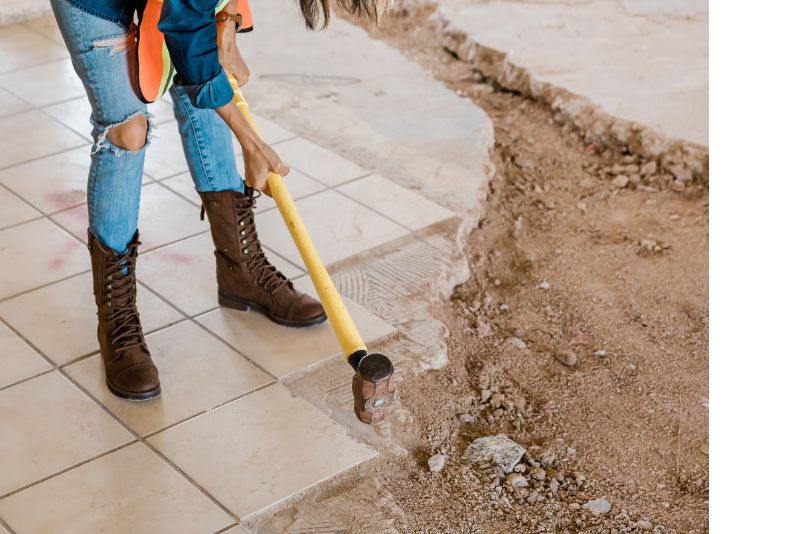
(373, 386)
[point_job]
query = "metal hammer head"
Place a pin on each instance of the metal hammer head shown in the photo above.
(373, 386)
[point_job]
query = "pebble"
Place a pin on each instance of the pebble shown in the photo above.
(598, 506)
(674, 217)
(544, 285)
(498, 449)
(567, 357)
(436, 462)
(644, 524)
(539, 474)
(649, 168)
(485, 395)
(515, 480)
(620, 181)
(600, 354)
(484, 330)
(466, 418)
(582, 206)
(554, 487)
(516, 342)
(677, 186)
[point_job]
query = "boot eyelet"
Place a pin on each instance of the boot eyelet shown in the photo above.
(242, 232)
(245, 251)
(109, 277)
(108, 286)
(241, 223)
(244, 241)
(108, 303)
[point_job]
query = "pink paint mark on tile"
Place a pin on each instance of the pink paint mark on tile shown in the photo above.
(178, 257)
(65, 199)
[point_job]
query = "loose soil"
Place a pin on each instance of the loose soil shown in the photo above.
(582, 334)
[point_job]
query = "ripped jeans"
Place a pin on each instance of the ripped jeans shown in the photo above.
(103, 55)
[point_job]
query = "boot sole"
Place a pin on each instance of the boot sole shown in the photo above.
(131, 396)
(235, 303)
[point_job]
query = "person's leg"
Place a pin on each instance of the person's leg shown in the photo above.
(246, 280)
(207, 145)
(102, 54)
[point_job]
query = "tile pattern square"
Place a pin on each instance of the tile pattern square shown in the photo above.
(22, 47)
(338, 226)
(50, 425)
(197, 372)
(66, 328)
(61, 83)
(164, 217)
(54, 183)
(47, 253)
(11, 104)
(74, 114)
(41, 136)
(14, 210)
(194, 290)
(18, 361)
(395, 202)
(258, 450)
(319, 163)
(283, 351)
(130, 491)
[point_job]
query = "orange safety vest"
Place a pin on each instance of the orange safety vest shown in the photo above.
(154, 68)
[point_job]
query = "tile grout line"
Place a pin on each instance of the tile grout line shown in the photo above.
(127, 427)
(7, 526)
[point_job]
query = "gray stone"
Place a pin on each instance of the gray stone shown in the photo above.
(539, 473)
(498, 449)
(466, 418)
(620, 181)
(598, 506)
(645, 525)
(515, 480)
(567, 357)
(436, 462)
(516, 342)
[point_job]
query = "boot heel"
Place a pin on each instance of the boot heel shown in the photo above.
(230, 302)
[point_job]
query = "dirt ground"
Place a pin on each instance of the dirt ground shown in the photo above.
(582, 335)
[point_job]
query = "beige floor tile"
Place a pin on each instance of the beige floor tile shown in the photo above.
(164, 156)
(197, 373)
(194, 288)
(61, 83)
(66, 328)
(19, 361)
(183, 185)
(53, 183)
(395, 202)
(41, 136)
(74, 114)
(338, 226)
(260, 449)
(299, 184)
(46, 26)
(236, 529)
(50, 425)
(163, 217)
(130, 491)
(41, 253)
(11, 104)
(320, 163)
(14, 210)
(283, 351)
(270, 131)
(21, 47)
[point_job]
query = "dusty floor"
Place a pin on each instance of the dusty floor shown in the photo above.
(571, 265)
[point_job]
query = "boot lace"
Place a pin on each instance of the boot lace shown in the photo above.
(120, 295)
(266, 274)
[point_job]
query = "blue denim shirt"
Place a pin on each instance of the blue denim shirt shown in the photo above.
(190, 32)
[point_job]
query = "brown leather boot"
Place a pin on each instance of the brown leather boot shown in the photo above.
(130, 372)
(245, 278)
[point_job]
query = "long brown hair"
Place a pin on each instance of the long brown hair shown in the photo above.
(368, 9)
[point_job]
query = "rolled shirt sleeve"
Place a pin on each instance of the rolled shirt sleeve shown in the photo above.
(190, 32)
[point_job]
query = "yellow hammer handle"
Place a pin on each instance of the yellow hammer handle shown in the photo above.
(339, 317)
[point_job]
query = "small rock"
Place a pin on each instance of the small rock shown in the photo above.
(484, 330)
(677, 186)
(598, 506)
(649, 168)
(498, 449)
(520, 468)
(580, 479)
(567, 357)
(516, 342)
(644, 524)
(436, 462)
(539, 474)
(544, 285)
(635, 179)
(600, 354)
(515, 480)
(485, 395)
(674, 217)
(466, 418)
(582, 206)
(621, 181)
(554, 487)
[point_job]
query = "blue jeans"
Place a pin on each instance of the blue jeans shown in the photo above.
(103, 55)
